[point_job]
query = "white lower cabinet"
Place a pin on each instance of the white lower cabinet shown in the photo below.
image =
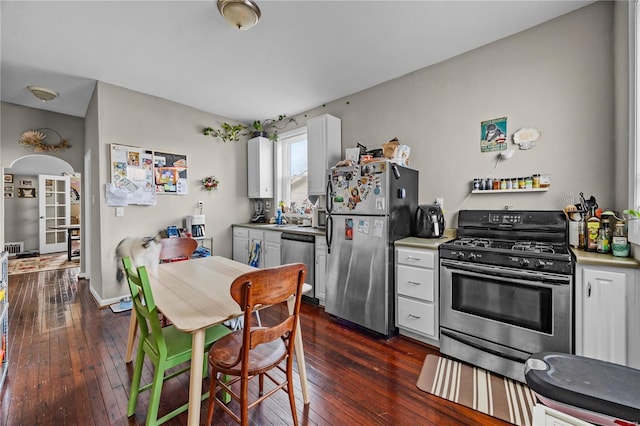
(417, 294)
(240, 244)
(606, 309)
(272, 256)
(321, 269)
(249, 243)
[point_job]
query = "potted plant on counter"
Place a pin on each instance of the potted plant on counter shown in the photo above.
(266, 128)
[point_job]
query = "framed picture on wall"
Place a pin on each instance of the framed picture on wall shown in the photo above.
(8, 178)
(26, 182)
(8, 188)
(26, 193)
(8, 194)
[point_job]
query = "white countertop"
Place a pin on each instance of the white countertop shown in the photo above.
(294, 229)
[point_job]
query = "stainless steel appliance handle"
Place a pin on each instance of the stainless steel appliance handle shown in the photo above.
(469, 342)
(329, 198)
(328, 233)
(520, 276)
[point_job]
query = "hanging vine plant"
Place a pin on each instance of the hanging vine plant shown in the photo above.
(267, 128)
(210, 183)
(35, 138)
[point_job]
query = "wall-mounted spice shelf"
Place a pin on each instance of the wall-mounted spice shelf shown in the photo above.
(507, 191)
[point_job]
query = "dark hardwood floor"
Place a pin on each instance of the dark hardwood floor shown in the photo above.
(67, 368)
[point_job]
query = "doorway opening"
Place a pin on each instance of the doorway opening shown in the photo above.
(33, 207)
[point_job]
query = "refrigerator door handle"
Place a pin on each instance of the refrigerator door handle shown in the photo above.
(329, 197)
(329, 233)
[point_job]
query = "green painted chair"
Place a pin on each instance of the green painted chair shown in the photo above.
(166, 347)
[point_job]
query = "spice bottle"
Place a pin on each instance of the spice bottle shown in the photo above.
(522, 184)
(536, 180)
(528, 182)
(619, 242)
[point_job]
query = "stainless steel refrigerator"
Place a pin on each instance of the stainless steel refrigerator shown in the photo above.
(369, 207)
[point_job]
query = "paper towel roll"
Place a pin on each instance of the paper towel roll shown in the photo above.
(574, 231)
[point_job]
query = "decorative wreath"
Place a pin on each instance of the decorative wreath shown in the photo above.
(35, 139)
(210, 183)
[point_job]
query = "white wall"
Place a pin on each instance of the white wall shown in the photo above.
(130, 118)
(21, 214)
(557, 77)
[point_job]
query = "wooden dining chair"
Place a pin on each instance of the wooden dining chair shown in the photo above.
(165, 347)
(174, 249)
(254, 351)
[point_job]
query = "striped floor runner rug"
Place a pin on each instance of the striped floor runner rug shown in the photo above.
(478, 389)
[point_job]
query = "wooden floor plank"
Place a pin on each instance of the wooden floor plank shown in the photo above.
(66, 360)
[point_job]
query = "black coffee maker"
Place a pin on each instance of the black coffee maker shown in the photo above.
(429, 221)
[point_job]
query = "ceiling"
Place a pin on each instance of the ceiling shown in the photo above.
(300, 55)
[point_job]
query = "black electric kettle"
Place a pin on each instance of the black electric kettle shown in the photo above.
(429, 221)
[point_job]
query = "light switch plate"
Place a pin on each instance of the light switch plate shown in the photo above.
(119, 211)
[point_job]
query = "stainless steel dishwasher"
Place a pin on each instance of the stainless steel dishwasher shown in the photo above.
(301, 248)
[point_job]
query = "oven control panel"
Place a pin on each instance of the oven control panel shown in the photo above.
(505, 218)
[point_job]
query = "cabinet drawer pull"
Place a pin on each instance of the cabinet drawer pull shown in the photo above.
(413, 258)
(589, 290)
(414, 283)
(414, 316)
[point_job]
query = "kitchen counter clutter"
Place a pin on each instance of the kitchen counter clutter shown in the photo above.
(266, 245)
(593, 258)
(294, 229)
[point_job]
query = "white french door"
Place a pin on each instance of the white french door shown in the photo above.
(53, 203)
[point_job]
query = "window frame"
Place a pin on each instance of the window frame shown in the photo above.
(281, 158)
(634, 152)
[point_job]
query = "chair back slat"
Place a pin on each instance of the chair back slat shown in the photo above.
(264, 287)
(144, 306)
(266, 335)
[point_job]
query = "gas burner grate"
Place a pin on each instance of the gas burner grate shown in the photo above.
(472, 242)
(533, 247)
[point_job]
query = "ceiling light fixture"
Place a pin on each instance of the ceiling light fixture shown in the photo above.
(43, 93)
(241, 14)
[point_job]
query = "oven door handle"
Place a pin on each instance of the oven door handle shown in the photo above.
(474, 345)
(516, 275)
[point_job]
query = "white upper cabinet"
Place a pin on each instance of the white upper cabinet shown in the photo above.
(324, 146)
(260, 167)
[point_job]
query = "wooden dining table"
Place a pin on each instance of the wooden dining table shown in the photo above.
(70, 237)
(194, 295)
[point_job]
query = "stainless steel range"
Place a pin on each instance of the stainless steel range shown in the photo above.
(506, 289)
